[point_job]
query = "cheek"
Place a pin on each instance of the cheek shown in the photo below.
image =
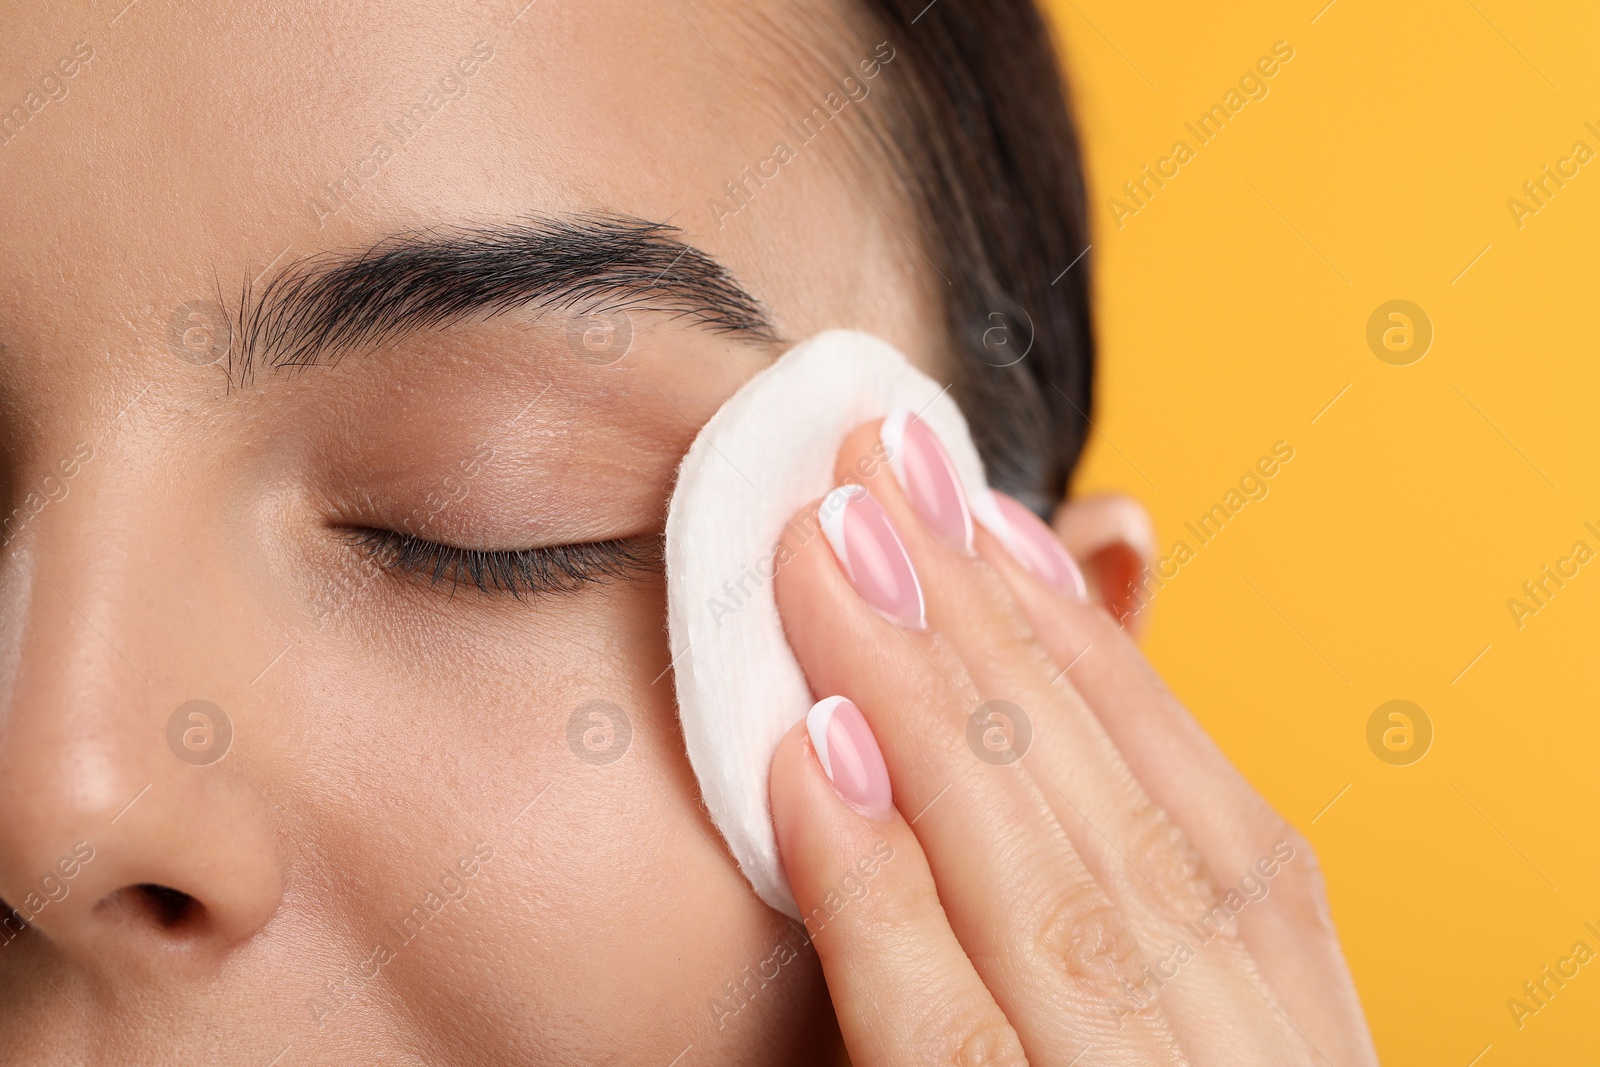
(532, 734)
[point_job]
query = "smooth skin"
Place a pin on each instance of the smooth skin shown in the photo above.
(1058, 909)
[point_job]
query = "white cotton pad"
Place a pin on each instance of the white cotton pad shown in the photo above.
(765, 454)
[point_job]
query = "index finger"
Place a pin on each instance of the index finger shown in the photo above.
(903, 989)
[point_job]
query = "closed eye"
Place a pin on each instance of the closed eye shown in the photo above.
(531, 572)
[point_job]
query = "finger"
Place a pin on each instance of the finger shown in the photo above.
(1270, 884)
(903, 990)
(1042, 935)
(1195, 966)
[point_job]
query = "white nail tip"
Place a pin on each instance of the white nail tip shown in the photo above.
(831, 514)
(892, 435)
(987, 513)
(817, 720)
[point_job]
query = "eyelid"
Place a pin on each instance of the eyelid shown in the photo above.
(531, 572)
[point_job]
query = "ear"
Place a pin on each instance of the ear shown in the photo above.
(1113, 540)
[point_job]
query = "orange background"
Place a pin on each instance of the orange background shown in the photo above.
(1234, 308)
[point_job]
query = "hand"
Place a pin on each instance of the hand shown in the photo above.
(1107, 890)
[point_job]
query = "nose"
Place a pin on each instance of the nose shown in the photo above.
(129, 832)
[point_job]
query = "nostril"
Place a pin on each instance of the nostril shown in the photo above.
(171, 907)
(157, 905)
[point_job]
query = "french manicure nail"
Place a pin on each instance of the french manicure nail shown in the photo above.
(1035, 546)
(850, 757)
(869, 549)
(924, 470)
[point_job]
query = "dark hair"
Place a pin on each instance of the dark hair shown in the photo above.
(979, 119)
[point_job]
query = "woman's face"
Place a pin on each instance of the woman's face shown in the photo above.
(412, 821)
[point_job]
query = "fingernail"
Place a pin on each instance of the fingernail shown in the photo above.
(1035, 546)
(866, 545)
(850, 757)
(924, 470)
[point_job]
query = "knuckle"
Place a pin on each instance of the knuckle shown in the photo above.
(933, 688)
(1082, 935)
(901, 904)
(990, 622)
(1003, 632)
(986, 584)
(973, 1035)
(941, 678)
(1162, 853)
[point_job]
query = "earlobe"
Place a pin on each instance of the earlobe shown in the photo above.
(1113, 540)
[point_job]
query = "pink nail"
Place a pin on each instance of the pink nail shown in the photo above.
(1035, 546)
(850, 757)
(924, 471)
(866, 545)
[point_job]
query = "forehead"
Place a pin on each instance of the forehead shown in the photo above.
(165, 153)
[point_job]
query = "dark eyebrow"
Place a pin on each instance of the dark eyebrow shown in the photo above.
(426, 280)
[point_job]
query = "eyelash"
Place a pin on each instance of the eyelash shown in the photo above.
(530, 572)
